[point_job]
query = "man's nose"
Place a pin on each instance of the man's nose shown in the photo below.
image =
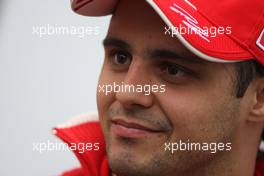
(138, 76)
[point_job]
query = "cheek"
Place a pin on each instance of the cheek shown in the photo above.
(196, 115)
(105, 100)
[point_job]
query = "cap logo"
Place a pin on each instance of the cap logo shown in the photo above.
(190, 21)
(260, 40)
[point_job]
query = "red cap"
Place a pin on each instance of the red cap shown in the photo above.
(218, 31)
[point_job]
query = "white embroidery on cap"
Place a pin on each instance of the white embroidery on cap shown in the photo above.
(260, 38)
(190, 22)
(191, 4)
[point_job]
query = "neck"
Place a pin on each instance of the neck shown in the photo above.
(229, 165)
(239, 161)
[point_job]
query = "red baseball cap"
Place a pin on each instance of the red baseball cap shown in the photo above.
(218, 31)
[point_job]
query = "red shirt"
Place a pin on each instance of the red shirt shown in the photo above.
(93, 161)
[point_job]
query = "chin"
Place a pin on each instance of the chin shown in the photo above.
(129, 160)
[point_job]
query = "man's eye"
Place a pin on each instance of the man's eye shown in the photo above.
(173, 73)
(172, 70)
(121, 58)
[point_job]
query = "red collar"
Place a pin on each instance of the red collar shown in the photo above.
(93, 160)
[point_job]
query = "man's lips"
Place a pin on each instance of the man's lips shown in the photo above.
(127, 129)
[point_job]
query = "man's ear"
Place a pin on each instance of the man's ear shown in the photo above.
(257, 112)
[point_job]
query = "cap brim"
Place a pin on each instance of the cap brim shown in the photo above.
(93, 7)
(178, 14)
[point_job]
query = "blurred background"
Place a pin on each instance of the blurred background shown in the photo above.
(45, 79)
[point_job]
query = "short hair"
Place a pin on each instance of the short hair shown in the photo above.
(246, 72)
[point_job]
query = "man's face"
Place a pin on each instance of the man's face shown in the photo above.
(198, 104)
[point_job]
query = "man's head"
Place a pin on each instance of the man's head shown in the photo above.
(203, 101)
(200, 97)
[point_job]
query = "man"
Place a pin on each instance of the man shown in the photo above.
(206, 114)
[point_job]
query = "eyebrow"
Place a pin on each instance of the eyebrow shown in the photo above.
(111, 41)
(168, 54)
(153, 53)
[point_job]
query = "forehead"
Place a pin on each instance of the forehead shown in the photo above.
(138, 24)
(142, 28)
(137, 14)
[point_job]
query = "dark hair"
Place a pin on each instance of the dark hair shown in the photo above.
(246, 72)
